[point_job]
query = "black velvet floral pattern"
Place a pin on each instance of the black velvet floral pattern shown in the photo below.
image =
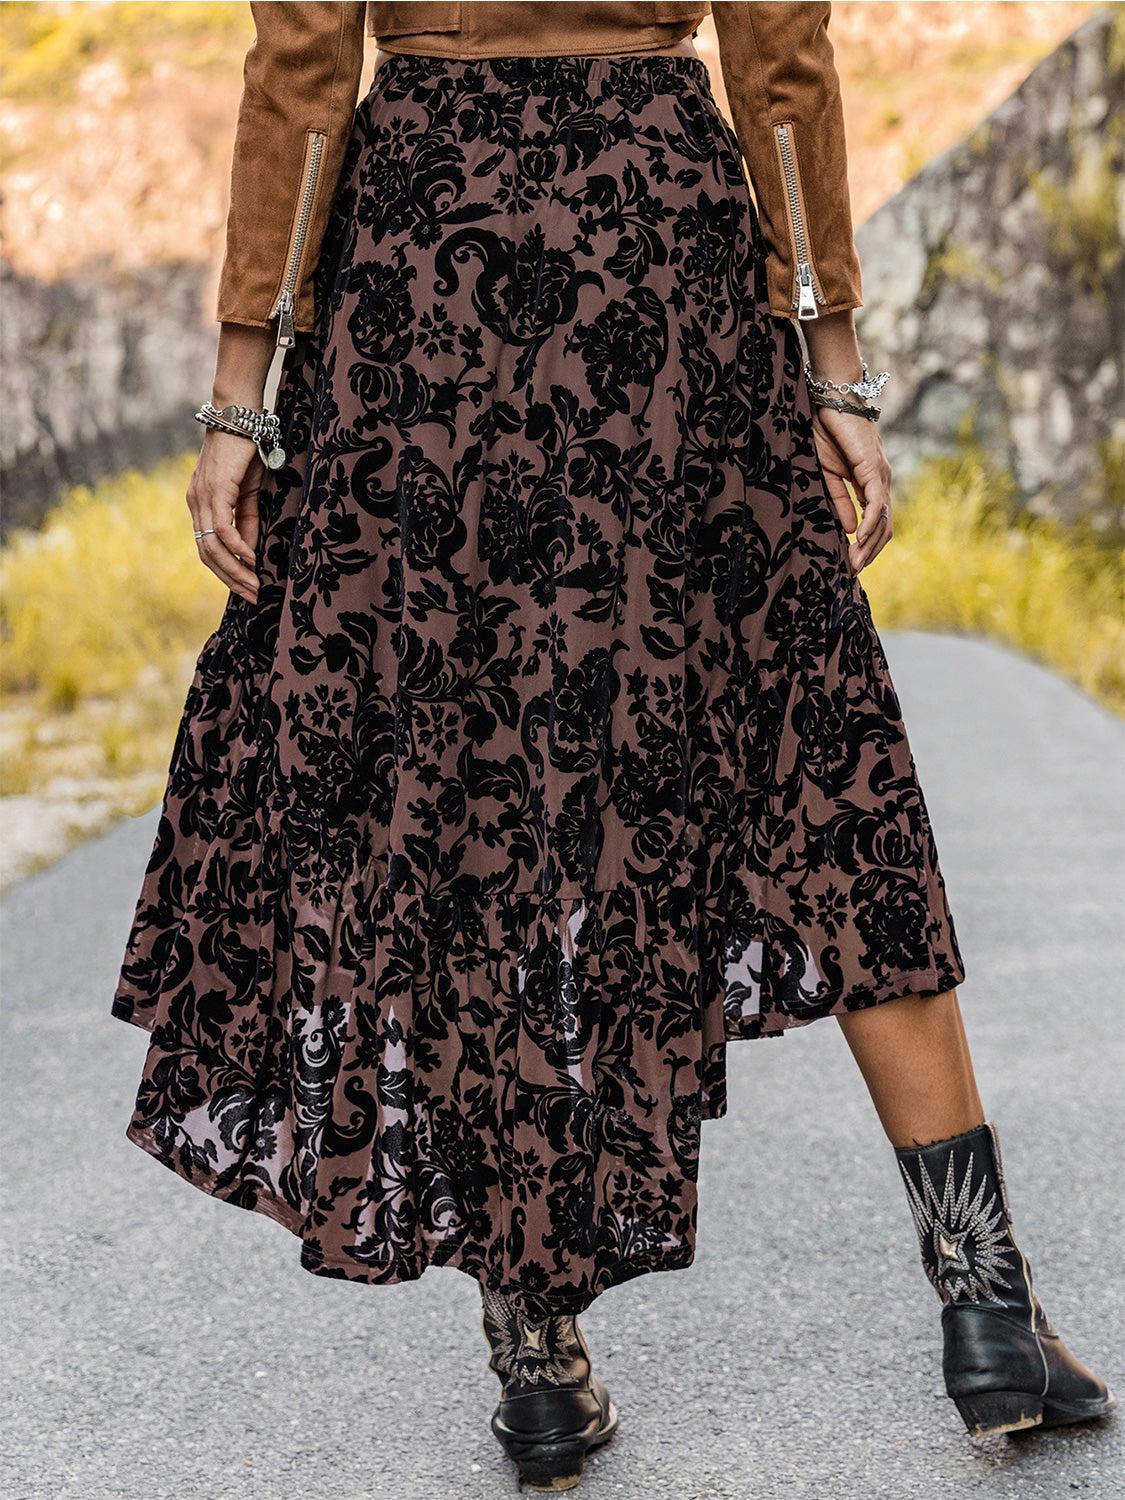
(559, 749)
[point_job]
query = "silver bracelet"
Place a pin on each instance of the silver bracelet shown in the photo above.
(853, 410)
(870, 388)
(263, 428)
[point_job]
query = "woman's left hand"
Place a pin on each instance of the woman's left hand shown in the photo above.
(851, 453)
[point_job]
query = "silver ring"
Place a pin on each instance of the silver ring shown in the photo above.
(209, 532)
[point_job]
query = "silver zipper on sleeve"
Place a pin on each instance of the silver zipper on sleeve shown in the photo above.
(286, 305)
(806, 293)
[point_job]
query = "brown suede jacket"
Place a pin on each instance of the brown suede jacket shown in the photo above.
(302, 80)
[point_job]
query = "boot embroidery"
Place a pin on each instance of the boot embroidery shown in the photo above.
(528, 1353)
(966, 1245)
(951, 1252)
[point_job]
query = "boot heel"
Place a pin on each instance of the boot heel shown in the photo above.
(552, 1467)
(994, 1412)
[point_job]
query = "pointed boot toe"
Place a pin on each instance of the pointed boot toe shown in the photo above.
(1006, 1369)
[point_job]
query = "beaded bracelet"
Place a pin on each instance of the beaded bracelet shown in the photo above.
(262, 428)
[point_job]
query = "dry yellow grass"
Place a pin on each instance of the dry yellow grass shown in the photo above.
(108, 595)
(48, 45)
(102, 613)
(962, 562)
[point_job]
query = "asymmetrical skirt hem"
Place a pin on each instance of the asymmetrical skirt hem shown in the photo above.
(400, 1269)
(558, 749)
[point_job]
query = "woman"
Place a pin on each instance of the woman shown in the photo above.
(546, 744)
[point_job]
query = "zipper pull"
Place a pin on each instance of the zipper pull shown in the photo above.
(286, 334)
(806, 295)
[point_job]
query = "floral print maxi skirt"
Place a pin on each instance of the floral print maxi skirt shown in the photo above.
(559, 749)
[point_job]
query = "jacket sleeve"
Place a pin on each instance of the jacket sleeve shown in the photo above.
(784, 96)
(300, 85)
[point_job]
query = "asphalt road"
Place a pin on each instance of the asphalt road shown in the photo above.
(159, 1344)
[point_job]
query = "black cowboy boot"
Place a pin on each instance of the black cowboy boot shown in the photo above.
(1005, 1366)
(552, 1411)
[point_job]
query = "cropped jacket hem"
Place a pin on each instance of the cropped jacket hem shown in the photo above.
(301, 84)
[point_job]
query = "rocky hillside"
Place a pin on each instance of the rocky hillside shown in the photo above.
(995, 286)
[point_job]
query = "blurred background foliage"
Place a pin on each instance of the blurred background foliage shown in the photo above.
(47, 47)
(115, 128)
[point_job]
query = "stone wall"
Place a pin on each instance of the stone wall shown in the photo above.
(994, 286)
(96, 376)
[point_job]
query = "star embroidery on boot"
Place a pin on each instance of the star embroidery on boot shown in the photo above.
(530, 1353)
(950, 1249)
(531, 1340)
(967, 1247)
(544, 1351)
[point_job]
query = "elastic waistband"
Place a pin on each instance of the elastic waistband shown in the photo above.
(554, 73)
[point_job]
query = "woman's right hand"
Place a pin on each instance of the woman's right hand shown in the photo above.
(223, 499)
(223, 493)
